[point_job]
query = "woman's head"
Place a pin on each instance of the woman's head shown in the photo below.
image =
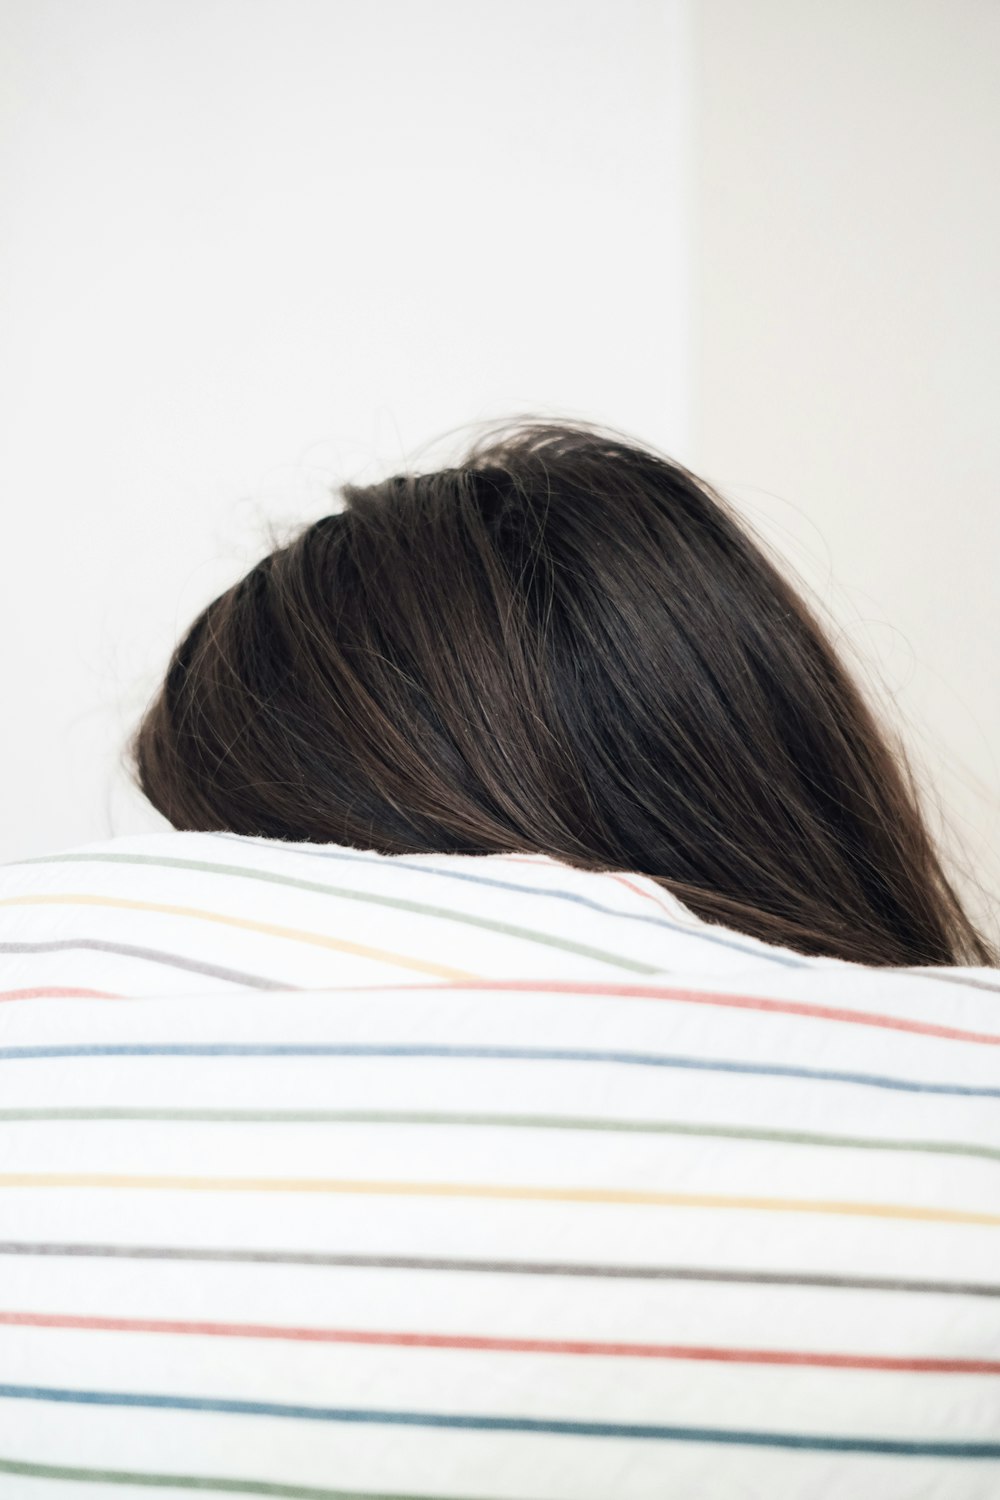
(566, 645)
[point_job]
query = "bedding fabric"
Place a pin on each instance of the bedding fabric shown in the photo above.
(330, 1174)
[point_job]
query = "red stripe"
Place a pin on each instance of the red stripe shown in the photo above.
(657, 901)
(702, 997)
(640, 992)
(56, 991)
(527, 859)
(516, 1346)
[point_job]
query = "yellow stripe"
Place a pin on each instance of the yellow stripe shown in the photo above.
(486, 1190)
(317, 939)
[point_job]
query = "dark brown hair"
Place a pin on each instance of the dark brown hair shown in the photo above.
(566, 645)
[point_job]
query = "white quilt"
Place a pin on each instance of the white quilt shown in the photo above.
(328, 1174)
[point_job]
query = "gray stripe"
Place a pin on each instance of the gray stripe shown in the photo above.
(273, 1489)
(182, 1116)
(156, 956)
(397, 903)
(942, 974)
(504, 1267)
(699, 928)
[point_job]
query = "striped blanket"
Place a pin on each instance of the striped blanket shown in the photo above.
(330, 1175)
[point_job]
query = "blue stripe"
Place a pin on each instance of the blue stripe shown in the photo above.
(356, 857)
(522, 1054)
(653, 1431)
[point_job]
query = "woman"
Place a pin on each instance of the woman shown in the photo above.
(492, 1173)
(564, 645)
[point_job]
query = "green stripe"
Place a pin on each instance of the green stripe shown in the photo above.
(530, 1122)
(199, 1482)
(422, 908)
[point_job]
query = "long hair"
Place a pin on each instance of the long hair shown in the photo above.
(564, 645)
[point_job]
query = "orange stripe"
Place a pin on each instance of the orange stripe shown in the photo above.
(500, 1192)
(701, 1352)
(317, 939)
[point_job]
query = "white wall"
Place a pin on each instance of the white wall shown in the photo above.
(254, 247)
(847, 342)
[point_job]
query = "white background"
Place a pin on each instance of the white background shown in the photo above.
(846, 384)
(252, 248)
